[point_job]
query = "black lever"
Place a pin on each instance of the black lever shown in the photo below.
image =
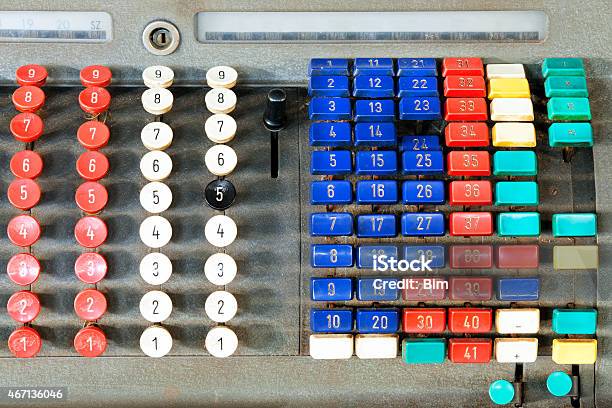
(275, 119)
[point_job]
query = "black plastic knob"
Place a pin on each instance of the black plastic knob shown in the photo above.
(275, 117)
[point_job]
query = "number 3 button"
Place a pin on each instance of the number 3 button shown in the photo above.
(220, 231)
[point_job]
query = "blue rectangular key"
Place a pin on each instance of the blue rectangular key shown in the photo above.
(422, 224)
(329, 109)
(435, 253)
(331, 256)
(423, 162)
(375, 134)
(417, 86)
(377, 289)
(419, 108)
(333, 134)
(328, 66)
(416, 67)
(331, 192)
(330, 224)
(331, 289)
(376, 226)
(382, 110)
(376, 192)
(328, 86)
(428, 142)
(373, 66)
(367, 253)
(376, 162)
(517, 289)
(331, 320)
(373, 86)
(334, 162)
(423, 192)
(377, 320)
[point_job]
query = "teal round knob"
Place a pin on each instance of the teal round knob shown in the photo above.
(501, 392)
(559, 383)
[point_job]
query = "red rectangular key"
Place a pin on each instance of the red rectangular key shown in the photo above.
(424, 320)
(471, 257)
(466, 134)
(462, 66)
(468, 163)
(470, 320)
(470, 192)
(470, 350)
(518, 257)
(467, 224)
(470, 288)
(469, 109)
(424, 289)
(464, 85)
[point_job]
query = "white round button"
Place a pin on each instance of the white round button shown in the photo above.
(155, 197)
(221, 341)
(155, 306)
(221, 306)
(156, 136)
(220, 269)
(155, 231)
(220, 128)
(221, 160)
(157, 101)
(155, 268)
(221, 77)
(158, 76)
(155, 341)
(156, 165)
(220, 231)
(220, 100)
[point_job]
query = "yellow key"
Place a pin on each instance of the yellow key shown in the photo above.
(574, 351)
(514, 134)
(509, 88)
(511, 110)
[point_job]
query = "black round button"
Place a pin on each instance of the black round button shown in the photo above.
(220, 194)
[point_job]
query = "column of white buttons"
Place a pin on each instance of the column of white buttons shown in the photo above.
(220, 231)
(156, 197)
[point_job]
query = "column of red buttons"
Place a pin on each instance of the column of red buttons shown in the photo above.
(24, 193)
(91, 197)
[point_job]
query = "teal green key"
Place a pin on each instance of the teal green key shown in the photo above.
(560, 108)
(570, 135)
(574, 321)
(501, 392)
(559, 383)
(572, 86)
(515, 163)
(517, 193)
(562, 67)
(518, 224)
(424, 351)
(574, 225)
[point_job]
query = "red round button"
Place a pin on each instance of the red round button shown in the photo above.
(23, 306)
(26, 164)
(96, 75)
(90, 304)
(28, 98)
(90, 341)
(31, 74)
(92, 165)
(93, 135)
(27, 127)
(94, 100)
(23, 269)
(90, 232)
(91, 197)
(90, 267)
(24, 342)
(23, 193)
(23, 230)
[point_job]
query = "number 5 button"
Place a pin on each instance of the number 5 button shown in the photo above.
(155, 197)
(220, 231)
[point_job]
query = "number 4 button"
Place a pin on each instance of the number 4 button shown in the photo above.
(220, 230)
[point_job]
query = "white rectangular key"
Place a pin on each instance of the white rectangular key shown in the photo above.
(509, 321)
(505, 71)
(376, 346)
(331, 346)
(513, 134)
(516, 350)
(511, 110)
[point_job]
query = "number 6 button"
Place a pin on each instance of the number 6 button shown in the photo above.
(220, 231)
(221, 160)
(92, 165)
(156, 165)
(155, 306)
